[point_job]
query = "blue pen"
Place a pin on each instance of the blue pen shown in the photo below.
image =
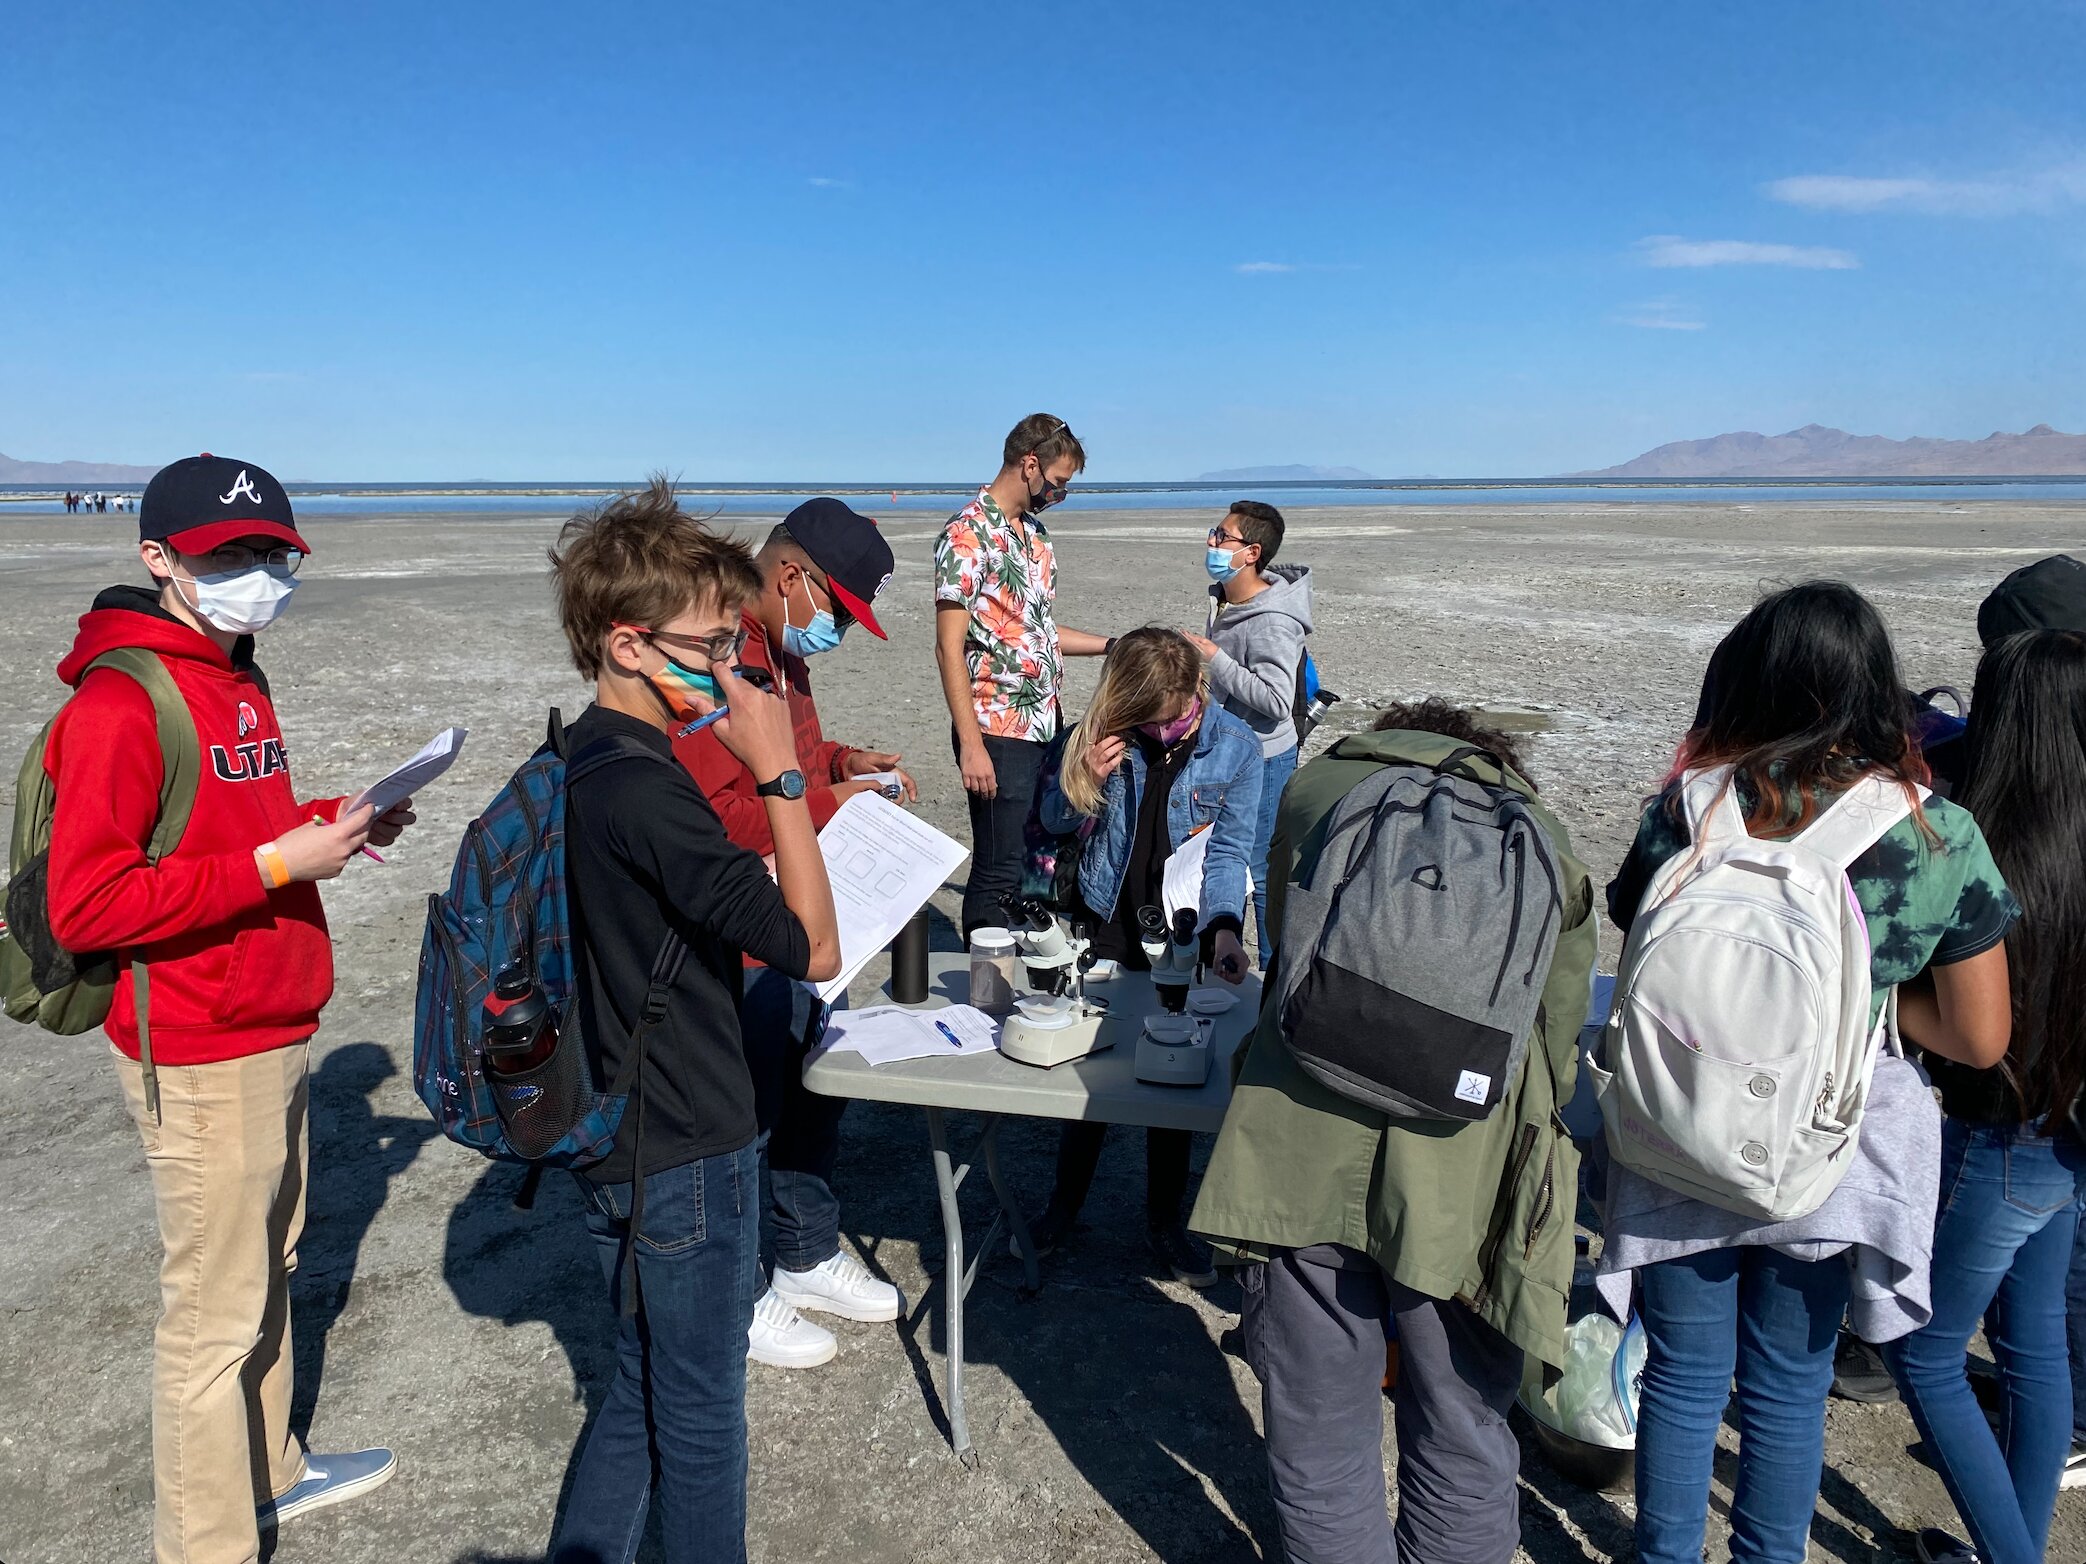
(943, 1028)
(701, 723)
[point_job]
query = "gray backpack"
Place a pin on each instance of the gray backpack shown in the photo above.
(1414, 960)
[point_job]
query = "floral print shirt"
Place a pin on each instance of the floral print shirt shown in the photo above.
(1004, 573)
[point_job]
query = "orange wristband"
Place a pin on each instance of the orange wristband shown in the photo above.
(278, 867)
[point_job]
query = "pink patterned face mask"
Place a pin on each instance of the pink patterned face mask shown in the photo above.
(1171, 733)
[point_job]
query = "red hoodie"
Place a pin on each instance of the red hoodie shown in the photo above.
(237, 968)
(729, 786)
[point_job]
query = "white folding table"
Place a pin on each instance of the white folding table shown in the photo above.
(1102, 1087)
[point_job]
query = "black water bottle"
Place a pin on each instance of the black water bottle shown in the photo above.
(519, 1031)
(909, 961)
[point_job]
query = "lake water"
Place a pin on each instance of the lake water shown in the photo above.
(936, 500)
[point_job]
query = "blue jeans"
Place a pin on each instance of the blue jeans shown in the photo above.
(677, 1406)
(800, 1128)
(1771, 1321)
(2003, 1241)
(2075, 1328)
(1275, 772)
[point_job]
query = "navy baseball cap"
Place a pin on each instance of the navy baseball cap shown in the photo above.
(201, 502)
(851, 551)
(2047, 595)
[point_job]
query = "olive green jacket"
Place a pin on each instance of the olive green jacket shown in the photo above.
(1481, 1212)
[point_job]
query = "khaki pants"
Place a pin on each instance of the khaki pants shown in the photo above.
(228, 1166)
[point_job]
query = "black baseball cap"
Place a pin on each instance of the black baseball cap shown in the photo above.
(851, 551)
(201, 502)
(2047, 595)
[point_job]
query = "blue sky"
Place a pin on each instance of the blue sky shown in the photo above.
(397, 241)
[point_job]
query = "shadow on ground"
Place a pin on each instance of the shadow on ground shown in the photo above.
(1167, 1445)
(516, 1266)
(355, 1154)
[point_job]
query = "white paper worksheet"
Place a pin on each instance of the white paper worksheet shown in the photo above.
(1182, 884)
(886, 1034)
(884, 864)
(436, 756)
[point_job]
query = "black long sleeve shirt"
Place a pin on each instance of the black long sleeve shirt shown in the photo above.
(644, 851)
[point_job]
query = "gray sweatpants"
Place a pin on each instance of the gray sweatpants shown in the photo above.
(1315, 1323)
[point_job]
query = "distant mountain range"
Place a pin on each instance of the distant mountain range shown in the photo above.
(12, 471)
(1294, 472)
(1817, 452)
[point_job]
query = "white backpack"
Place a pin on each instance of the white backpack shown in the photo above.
(1736, 1063)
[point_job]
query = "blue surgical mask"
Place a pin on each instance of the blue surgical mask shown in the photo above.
(821, 635)
(1221, 564)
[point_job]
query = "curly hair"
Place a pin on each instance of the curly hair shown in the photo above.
(1435, 715)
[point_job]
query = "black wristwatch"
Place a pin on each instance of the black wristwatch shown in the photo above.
(789, 785)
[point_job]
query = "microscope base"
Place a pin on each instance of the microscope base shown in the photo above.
(1043, 1046)
(1161, 1063)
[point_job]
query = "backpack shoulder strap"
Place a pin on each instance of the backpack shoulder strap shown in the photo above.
(1710, 798)
(1854, 821)
(181, 762)
(607, 750)
(180, 751)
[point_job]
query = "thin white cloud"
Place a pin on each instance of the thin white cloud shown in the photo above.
(2047, 189)
(822, 182)
(1661, 315)
(1670, 250)
(1267, 268)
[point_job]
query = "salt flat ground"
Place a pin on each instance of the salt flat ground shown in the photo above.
(1111, 1424)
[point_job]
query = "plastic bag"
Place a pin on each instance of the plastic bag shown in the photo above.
(1603, 1370)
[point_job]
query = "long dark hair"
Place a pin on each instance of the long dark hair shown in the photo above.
(2025, 781)
(1803, 697)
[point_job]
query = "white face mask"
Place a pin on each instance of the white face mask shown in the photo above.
(240, 602)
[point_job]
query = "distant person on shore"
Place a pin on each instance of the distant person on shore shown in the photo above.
(1260, 613)
(652, 605)
(229, 925)
(1000, 649)
(1353, 1223)
(821, 572)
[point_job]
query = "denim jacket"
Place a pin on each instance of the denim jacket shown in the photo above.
(1218, 787)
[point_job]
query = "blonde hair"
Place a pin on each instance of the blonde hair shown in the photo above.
(1145, 678)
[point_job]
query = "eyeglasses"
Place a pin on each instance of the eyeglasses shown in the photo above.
(1218, 535)
(231, 559)
(713, 649)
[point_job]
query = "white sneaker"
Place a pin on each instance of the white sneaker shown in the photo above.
(841, 1286)
(2074, 1467)
(782, 1338)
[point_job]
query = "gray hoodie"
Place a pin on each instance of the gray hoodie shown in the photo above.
(1260, 644)
(1881, 1216)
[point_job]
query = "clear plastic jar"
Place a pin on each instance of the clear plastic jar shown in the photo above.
(993, 966)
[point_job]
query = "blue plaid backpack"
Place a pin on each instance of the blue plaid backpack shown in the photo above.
(507, 905)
